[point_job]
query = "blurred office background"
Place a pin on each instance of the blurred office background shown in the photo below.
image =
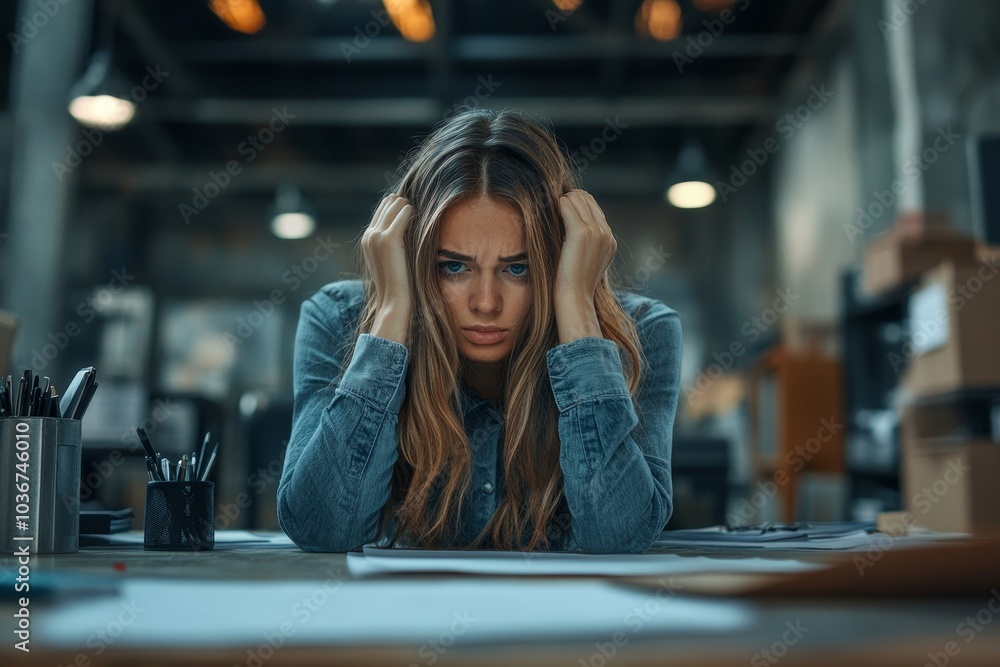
(849, 149)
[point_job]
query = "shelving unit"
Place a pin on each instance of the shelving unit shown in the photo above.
(793, 395)
(872, 330)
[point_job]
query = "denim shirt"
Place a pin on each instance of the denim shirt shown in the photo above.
(344, 441)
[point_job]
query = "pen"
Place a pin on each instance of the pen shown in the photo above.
(43, 403)
(208, 465)
(201, 455)
(151, 455)
(21, 389)
(34, 396)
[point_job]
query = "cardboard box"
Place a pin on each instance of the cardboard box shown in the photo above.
(907, 250)
(952, 341)
(949, 483)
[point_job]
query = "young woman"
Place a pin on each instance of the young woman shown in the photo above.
(483, 385)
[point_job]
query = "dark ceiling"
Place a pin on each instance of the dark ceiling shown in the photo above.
(356, 116)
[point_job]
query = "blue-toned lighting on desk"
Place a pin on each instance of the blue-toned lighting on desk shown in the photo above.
(100, 99)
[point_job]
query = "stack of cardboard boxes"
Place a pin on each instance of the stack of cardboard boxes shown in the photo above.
(950, 424)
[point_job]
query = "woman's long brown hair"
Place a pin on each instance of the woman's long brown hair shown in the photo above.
(513, 158)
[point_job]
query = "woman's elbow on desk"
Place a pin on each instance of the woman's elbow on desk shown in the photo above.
(636, 540)
(316, 536)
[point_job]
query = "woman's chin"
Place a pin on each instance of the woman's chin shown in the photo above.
(485, 353)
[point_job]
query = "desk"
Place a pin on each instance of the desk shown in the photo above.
(885, 632)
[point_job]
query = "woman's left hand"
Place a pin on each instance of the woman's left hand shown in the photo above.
(587, 251)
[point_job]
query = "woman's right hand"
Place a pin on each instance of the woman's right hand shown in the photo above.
(385, 255)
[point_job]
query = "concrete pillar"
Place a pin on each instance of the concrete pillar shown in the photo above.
(931, 130)
(50, 41)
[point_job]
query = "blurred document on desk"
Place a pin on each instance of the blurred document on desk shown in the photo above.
(374, 560)
(341, 611)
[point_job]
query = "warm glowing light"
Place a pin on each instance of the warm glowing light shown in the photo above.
(567, 5)
(244, 16)
(293, 225)
(102, 111)
(659, 19)
(691, 194)
(413, 18)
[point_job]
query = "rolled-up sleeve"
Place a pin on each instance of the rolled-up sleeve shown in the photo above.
(615, 461)
(344, 442)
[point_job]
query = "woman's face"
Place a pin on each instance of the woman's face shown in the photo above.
(483, 274)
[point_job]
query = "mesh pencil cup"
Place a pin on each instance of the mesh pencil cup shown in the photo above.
(180, 516)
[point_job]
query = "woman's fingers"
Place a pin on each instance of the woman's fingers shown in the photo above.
(398, 224)
(584, 209)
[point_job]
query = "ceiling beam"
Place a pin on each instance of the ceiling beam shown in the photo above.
(425, 111)
(320, 181)
(498, 48)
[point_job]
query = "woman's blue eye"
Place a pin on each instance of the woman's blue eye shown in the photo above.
(452, 269)
(519, 274)
(445, 265)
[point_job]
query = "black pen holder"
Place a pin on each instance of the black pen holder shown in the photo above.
(180, 516)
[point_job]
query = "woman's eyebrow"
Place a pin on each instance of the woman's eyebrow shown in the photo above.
(465, 258)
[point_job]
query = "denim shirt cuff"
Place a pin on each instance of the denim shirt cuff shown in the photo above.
(377, 372)
(584, 369)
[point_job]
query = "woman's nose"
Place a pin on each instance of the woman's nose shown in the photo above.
(486, 295)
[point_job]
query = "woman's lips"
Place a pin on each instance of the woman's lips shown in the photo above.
(484, 337)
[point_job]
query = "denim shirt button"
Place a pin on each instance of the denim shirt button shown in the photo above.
(488, 487)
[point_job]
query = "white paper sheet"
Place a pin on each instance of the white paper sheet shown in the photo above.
(234, 537)
(338, 611)
(378, 561)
